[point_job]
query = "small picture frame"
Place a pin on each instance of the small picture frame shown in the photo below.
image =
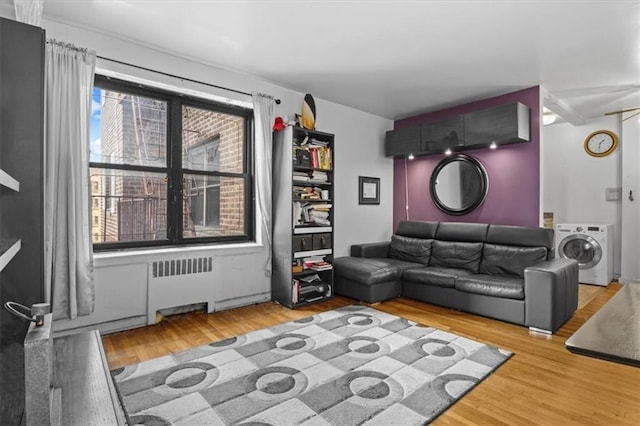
(368, 190)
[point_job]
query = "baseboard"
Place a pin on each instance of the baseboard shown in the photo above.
(105, 327)
(242, 301)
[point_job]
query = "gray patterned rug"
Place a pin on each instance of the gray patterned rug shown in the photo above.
(349, 366)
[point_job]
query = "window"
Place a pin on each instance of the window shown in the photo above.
(167, 169)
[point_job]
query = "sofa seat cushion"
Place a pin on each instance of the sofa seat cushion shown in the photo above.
(410, 249)
(455, 254)
(438, 277)
(492, 285)
(368, 270)
(510, 260)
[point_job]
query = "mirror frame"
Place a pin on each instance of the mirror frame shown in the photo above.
(484, 186)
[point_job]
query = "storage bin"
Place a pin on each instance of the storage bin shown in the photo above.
(302, 243)
(321, 241)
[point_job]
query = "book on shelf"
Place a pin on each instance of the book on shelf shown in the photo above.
(311, 213)
(316, 263)
(318, 177)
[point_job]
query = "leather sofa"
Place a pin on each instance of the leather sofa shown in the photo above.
(503, 272)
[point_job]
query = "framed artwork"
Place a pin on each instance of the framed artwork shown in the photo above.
(368, 190)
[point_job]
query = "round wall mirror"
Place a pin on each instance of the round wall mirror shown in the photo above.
(459, 184)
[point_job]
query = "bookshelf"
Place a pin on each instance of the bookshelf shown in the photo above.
(303, 193)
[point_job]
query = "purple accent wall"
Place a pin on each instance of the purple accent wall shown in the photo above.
(513, 170)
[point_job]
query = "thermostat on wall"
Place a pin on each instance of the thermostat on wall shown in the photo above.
(613, 194)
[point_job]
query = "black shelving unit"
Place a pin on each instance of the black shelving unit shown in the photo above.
(21, 199)
(303, 212)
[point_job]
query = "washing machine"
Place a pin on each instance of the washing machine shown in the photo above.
(591, 245)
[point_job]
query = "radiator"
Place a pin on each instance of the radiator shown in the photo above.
(179, 282)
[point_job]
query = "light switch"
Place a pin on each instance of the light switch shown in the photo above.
(613, 194)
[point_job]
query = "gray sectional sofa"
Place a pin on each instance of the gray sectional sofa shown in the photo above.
(503, 272)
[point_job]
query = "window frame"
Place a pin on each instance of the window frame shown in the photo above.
(174, 170)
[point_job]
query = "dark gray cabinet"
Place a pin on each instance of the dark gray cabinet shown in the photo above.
(503, 124)
(404, 141)
(21, 195)
(438, 136)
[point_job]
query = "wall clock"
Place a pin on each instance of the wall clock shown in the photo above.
(601, 143)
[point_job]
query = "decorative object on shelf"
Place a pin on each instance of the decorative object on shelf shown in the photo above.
(459, 184)
(601, 143)
(308, 112)
(368, 190)
(278, 124)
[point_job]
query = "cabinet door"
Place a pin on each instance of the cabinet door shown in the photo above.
(503, 124)
(438, 136)
(403, 141)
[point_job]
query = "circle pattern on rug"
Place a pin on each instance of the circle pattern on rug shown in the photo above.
(185, 378)
(360, 320)
(372, 389)
(231, 342)
(365, 347)
(276, 383)
(292, 343)
(451, 386)
(439, 348)
(148, 420)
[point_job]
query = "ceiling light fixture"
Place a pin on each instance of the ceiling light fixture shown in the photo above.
(447, 152)
(635, 111)
(493, 145)
(548, 116)
(411, 156)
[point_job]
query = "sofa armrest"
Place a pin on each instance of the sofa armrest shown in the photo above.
(550, 293)
(380, 249)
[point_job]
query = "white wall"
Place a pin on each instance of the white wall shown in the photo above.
(121, 278)
(630, 271)
(573, 182)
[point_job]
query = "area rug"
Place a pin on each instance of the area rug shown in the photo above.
(350, 366)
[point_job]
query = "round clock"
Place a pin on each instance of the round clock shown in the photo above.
(601, 143)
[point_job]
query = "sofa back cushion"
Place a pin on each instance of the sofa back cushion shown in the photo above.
(456, 254)
(410, 249)
(417, 229)
(510, 260)
(461, 231)
(521, 236)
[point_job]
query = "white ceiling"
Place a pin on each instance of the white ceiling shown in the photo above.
(394, 58)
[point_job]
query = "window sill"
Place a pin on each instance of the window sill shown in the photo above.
(134, 256)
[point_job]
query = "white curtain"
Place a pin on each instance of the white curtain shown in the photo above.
(264, 111)
(69, 74)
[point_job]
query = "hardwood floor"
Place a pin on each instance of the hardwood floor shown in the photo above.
(542, 383)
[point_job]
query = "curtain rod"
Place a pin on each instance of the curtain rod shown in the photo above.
(178, 77)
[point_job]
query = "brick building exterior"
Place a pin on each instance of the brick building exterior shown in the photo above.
(132, 205)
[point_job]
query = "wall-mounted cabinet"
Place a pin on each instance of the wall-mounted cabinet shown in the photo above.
(403, 141)
(438, 136)
(502, 125)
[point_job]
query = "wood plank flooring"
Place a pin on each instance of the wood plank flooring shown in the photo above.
(542, 383)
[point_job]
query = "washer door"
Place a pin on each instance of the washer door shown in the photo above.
(582, 248)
